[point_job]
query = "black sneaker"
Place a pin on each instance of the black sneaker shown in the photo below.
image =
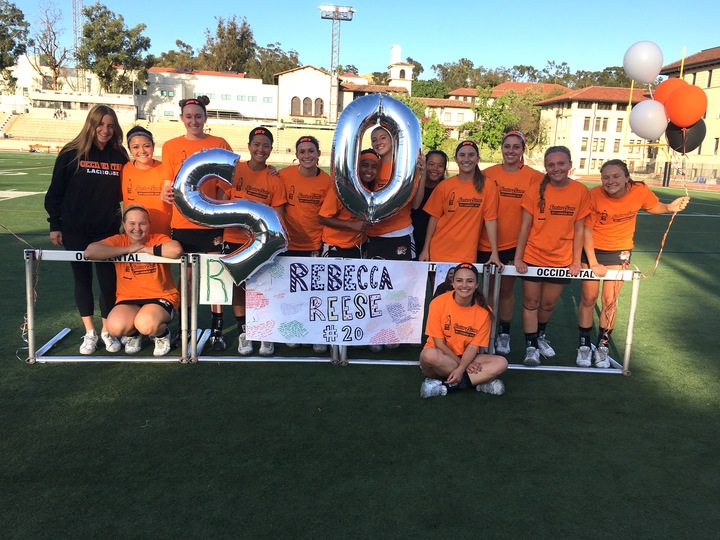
(217, 342)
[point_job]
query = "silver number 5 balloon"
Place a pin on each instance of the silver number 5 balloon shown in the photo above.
(403, 126)
(269, 237)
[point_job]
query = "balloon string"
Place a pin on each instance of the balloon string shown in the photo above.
(682, 166)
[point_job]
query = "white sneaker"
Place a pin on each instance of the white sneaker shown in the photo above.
(245, 347)
(494, 387)
(584, 357)
(112, 344)
(375, 348)
(320, 348)
(544, 345)
(532, 357)
(133, 344)
(162, 345)
(293, 345)
(267, 348)
(89, 344)
(391, 346)
(601, 358)
(432, 388)
(502, 344)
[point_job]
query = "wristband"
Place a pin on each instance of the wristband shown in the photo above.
(157, 250)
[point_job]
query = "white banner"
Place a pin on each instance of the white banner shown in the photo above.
(337, 301)
(216, 283)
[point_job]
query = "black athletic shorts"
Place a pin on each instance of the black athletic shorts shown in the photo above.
(165, 304)
(335, 252)
(398, 248)
(199, 240)
(609, 258)
(507, 256)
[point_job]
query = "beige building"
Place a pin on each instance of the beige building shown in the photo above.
(593, 123)
(703, 70)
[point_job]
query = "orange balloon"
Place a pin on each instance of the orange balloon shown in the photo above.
(686, 105)
(665, 88)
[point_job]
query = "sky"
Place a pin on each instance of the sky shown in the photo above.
(587, 35)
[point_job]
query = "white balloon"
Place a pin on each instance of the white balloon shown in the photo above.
(643, 61)
(648, 119)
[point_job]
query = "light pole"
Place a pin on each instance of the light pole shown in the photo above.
(336, 14)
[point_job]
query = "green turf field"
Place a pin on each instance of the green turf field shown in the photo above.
(269, 450)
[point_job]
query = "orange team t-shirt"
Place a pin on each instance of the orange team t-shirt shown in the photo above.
(511, 187)
(143, 281)
(400, 220)
(613, 220)
(461, 212)
(174, 153)
(550, 242)
(458, 326)
(304, 199)
(343, 238)
(143, 187)
(249, 185)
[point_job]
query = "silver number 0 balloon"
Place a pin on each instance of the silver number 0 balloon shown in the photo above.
(269, 236)
(403, 126)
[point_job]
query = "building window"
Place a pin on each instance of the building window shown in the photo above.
(168, 113)
(225, 97)
(242, 98)
(447, 117)
(252, 98)
(295, 106)
(597, 124)
(602, 145)
(307, 107)
(621, 107)
(167, 93)
(616, 146)
(604, 106)
(402, 73)
(604, 124)
(461, 117)
(594, 145)
(583, 162)
(319, 107)
(586, 124)
(593, 163)
(584, 104)
(584, 145)
(709, 81)
(267, 100)
(619, 125)
(717, 144)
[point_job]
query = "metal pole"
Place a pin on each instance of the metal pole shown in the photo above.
(194, 273)
(30, 299)
(631, 321)
(183, 310)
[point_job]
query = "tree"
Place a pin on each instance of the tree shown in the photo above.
(417, 67)
(350, 69)
(49, 55)
(271, 60)
(521, 73)
(432, 88)
(554, 73)
(433, 132)
(414, 104)
(493, 118)
(231, 48)
(111, 50)
(182, 57)
(380, 77)
(13, 38)
(455, 74)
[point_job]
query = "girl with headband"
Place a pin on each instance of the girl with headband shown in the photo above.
(512, 178)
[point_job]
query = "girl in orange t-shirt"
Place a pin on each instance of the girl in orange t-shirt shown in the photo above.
(255, 181)
(142, 180)
(512, 178)
(146, 293)
(609, 232)
(458, 327)
(306, 186)
(194, 238)
(551, 234)
(459, 208)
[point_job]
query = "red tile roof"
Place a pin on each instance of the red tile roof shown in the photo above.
(703, 58)
(463, 92)
(197, 72)
(439, 102)
(599, 94)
